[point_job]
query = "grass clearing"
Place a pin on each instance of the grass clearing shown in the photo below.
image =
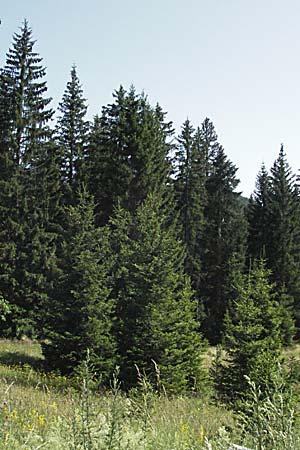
(39, 410)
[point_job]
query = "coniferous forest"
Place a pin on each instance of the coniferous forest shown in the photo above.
(120, 238)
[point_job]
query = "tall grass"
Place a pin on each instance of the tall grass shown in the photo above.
(39, 411)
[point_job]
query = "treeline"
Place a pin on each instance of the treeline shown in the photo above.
(119, 237)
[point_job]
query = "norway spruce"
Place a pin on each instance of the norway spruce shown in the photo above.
(24, 74)
(258, 212)
(127, 156)
(26, 198)
(224, 241)
(274, 233)
(80, 310)
(252, 335)
(156, 313)
(190, 195)
(71, 133)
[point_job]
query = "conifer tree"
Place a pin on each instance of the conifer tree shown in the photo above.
(43, 231)
(127, 157)
(274, 233)
(190, 195)
(156, 315)
(224, 243)
(258, 216)
(24, 77)
(209, 143)
(283, 251)
(10, 193)
(252, 335)
(80, 310)
(72, 131)
(27, 140)
(283, 213)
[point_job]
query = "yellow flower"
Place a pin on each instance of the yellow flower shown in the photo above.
(14, 414)
(41, 420)
(201, 434)
(184, 428)
(27, 427)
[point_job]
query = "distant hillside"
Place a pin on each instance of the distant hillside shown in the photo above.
(244, 200)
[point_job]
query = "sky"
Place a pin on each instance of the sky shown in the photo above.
(234, 61)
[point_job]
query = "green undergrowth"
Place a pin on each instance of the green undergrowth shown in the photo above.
(47, 411)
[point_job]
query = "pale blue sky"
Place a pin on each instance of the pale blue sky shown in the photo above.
(234, 61)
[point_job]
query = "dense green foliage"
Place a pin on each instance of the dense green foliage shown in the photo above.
(71, 136)
(274, 234)
(80, 310)
(252, 335)
(120, 239)
(155, 309)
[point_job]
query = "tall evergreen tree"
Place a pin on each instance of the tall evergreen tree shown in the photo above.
(190, 195)
(72, 132)
(43, 229)
(209, 143)
(28, 142)
(283, 252)
(156, 316)
(252, 335)
(10, 194)
(225, 241)
(274, 232)
(283, 223)
(258, 216)
(128, 153)
(80, 310)
(24, 75)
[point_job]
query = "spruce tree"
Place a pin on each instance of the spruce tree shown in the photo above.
(27, 141)
(80, 310)
(274, 233)
(224, 241)
(43, 227)
(258, 216)
(252, 335)
(190, 196)
(283, 252)
(24, 75)
(155, 310)
(127, 156)
(10, 193)
(209, 143)
(72, 132)
(283, 213)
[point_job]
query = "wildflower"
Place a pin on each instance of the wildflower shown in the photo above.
(201, 434)
(41, 420)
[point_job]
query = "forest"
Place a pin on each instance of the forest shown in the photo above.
(129, 244)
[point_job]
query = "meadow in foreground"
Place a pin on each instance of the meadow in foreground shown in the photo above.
(47, 411)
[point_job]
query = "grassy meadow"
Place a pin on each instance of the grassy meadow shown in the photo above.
(47, 411)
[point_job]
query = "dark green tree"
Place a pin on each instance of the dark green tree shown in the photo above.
(252, 335)
(24, 75)
(209, 143)
(80, 311)
(43, 225)
(25, 148)
(72, 133)
(283, 251)
(190, 196)
(258, 216)
(10, 194)
(273, 216)
(127, 157)
(283, 214)
(224, 242)
(155, 310)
